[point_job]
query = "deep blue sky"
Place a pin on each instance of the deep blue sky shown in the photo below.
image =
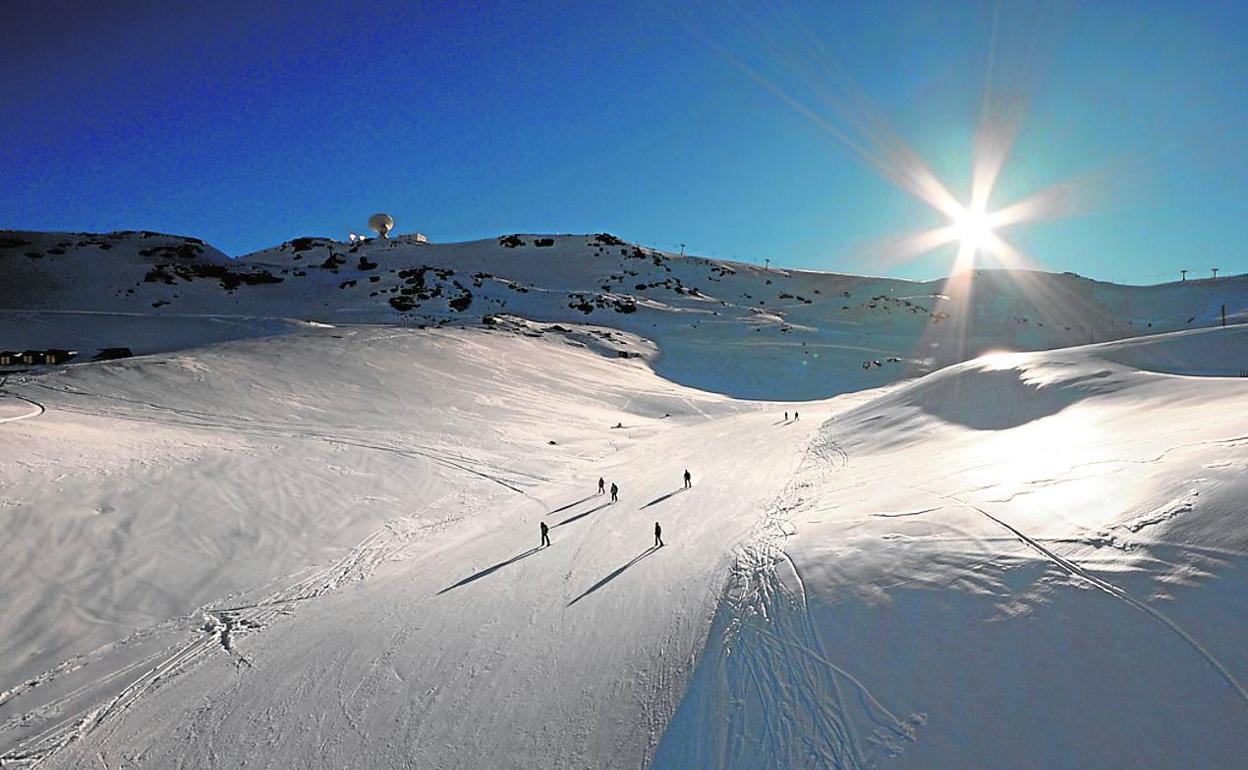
(247, 127)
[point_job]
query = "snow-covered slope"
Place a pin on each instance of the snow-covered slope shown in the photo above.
(721, 326)
(313, 542)
(1032, 560)
(180, 522)
(149, 499)
(319, 550)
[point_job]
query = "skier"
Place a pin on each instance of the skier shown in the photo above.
(786, 416)
(545, 534)
(615, 492)
(601, 485)
(658, 535)
(796, 417)
(688, 479)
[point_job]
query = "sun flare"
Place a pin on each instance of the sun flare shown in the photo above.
(1019, 47)
(972, 228)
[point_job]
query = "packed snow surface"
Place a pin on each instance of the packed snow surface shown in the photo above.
(305, 533)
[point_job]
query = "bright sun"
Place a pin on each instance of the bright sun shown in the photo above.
(972, 227)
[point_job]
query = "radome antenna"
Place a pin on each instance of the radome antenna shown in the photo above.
(381, 224)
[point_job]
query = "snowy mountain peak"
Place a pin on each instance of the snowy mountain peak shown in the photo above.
(819, 333)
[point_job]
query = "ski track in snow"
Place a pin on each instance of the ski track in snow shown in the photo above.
(906, 514)
(36, 408)
(792, 688)
(1111, 589)
(783, 676)
(220, 627)
(193, 419)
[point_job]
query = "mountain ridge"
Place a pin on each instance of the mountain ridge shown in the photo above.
(820, 333)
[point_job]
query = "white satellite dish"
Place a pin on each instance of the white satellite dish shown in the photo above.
(381, 224)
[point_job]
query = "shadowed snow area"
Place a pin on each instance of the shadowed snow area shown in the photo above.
(993, 393)
(301, 532)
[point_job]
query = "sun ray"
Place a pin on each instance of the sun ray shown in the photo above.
(1009, 82)
(863, 129)
(945, 338)
(899, 249)
(799, 68)
(1006, 254)
(1099, 188)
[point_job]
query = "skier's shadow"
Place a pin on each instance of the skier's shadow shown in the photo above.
(574, 504)
(571, 519)
(619, 571)
(490, 570)
(658, 500)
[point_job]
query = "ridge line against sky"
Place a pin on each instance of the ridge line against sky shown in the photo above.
(247, 129)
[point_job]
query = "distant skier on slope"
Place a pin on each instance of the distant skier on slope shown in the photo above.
(602, 483)
(786, 416)
(615, 492)
(545, 534)
(796, 417)
(658, 535)
(688, 479)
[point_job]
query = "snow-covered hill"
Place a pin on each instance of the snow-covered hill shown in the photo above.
(1028, 560)
(313, 542)
(164, 513)
(720, 326)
